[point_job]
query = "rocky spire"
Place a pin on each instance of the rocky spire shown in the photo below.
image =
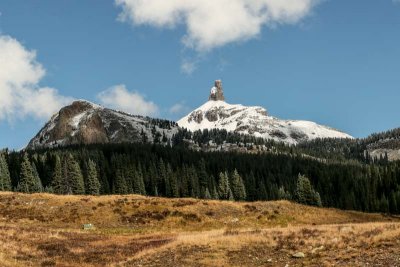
(217, 93)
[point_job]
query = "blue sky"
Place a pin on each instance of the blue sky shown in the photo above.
(334, 62)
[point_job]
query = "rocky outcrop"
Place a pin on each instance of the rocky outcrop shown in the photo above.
(217, 93)
(83, 122)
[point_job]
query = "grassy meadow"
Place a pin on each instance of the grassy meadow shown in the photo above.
(133, 230)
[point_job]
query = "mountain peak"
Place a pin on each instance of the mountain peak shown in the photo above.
(252, 120)
(83, 122)
(217, 93)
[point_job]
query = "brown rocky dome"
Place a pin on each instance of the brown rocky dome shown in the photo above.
(83, 122)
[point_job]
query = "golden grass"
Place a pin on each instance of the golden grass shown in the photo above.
(45, 230)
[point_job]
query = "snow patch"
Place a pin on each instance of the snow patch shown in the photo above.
(254, 120)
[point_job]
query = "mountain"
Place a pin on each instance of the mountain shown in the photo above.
(83, 122)
(216, 113)
(385, 144)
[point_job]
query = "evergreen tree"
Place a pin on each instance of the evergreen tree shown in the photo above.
(262, 191)
(37, 183)
(237, 186)
(93, 184)
(138, 186)
(317, 199)
(5, 180)
(393, 205)
(283, 194)
(384, 204)
(224, 189)
(305, 194)
(28, 181)
(173, 183)
(120, 186)
(207, 194)
(203, 178)
(75, 178)
(57, 181)
(167, 181)
(215, 193)
(162, 178)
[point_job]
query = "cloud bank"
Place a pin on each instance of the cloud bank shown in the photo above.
(119, 97)
(20, 93)
(215, 23)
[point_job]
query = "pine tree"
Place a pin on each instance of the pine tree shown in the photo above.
(93, 184)
(167, 181)
(75, 182)
(237, 186)
(27, 177)
(5, 180)
(384, 204)
(120, 186)
(173, 184)
(207, 194)
(203, 178)
(37, 183)
(215, 193)
(317, 199)
(283, 194)
(162, 178)
(224, 189)
(305, 194)
(57, 180)
(138, 185)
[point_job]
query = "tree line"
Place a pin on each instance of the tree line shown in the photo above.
(157, 170)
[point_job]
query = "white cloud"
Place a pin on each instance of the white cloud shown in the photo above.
(179, 108)
(20, 93)
(118, 97)
(214, 23)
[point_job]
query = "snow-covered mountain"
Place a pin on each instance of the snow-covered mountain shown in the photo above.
(254, 121)
(83, 122)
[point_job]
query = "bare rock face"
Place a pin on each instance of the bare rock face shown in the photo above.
(196, 116)
(217, 93)
(83, 122)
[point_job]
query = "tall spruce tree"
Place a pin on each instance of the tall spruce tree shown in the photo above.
(37, 183)
(162, 178)
(5, 180)
(237, 186)
(138, 185)
(57, 183)
(305, 194)
(173, 183)
(203, 178)
(28, 183)
(224, 189)
(93, 184)
(75, 181)
(120, 186)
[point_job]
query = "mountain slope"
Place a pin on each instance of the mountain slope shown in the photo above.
(83, 122)
(384, 144)
(255, 121)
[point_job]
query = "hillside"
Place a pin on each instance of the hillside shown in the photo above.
(132, 230)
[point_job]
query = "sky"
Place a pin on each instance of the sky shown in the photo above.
(335, 62)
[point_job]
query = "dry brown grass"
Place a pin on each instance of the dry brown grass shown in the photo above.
(45, 230)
